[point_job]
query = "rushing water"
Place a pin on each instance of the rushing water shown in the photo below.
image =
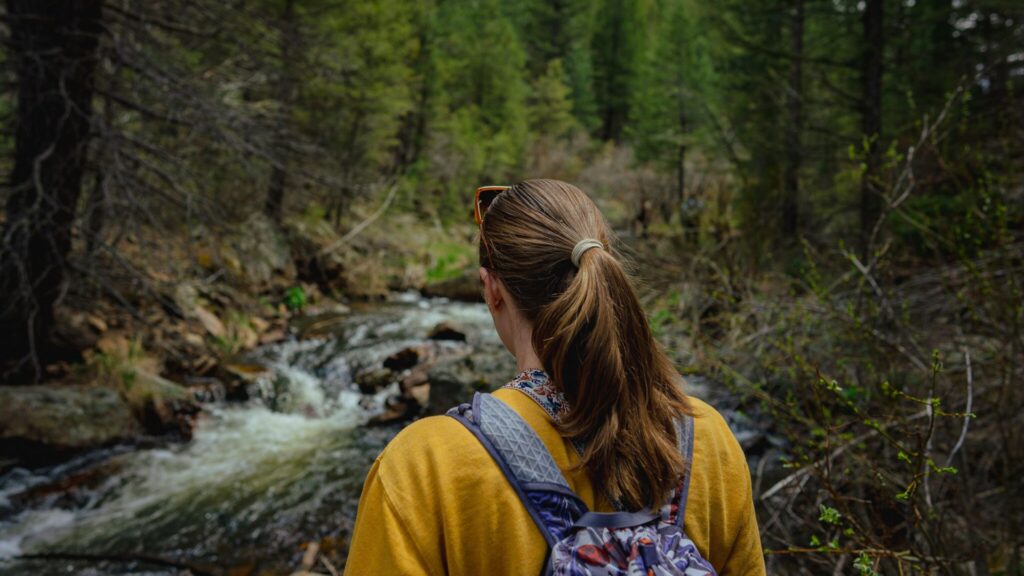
(258, 479)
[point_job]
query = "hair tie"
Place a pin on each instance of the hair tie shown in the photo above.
(581, 247)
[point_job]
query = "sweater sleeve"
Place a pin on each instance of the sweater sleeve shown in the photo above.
(382, 542)
(746, 557)
(720, 515)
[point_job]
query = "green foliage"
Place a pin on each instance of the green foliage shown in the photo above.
(673, 80)
(829, 515)
(864, 565)
(551, 105)
(480, 128)
(622, 27)
(449, 260)
(361, 82)
(628, 97)
(294, 299)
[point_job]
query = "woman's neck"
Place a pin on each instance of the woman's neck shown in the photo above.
(526, 356)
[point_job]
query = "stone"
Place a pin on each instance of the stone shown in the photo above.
(495, 367)
(404, 359)
(257, 253)
(321, 321)
(465, 287)
(161, 406)
(417, 376)
(239, 376)
(185, 296)
(371, 380)
(398, 409)
(447, 331)
(421, 394)
(41, 424)
(452, 382)
(74, 329)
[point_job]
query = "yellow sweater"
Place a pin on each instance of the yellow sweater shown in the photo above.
(435, 502)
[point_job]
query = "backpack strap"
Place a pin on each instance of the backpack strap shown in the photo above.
(518, 451)
(685, 430)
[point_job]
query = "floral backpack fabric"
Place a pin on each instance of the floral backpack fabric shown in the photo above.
(581, 542)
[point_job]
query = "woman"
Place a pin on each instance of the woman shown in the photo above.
(594, 386)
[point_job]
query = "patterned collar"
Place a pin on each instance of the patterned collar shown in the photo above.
(537, 385)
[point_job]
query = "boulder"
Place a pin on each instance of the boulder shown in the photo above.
(321, 321)
(405, 358)
(161, 406)
(452, 382)
(398, 409)
(41, 424)
(447, 331)
(465, 287)
(421, 394)
(239, 376)
(256, 253)
(372, 380)
(495, 367)
(417, 376)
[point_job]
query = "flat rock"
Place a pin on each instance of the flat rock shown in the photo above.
(238, 376)
(465, 287)
(40, 424)
(447, 331)
(160, 405)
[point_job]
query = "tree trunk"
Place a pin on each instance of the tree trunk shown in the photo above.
(285, 99)
(53, 46)
(681, 153)
(872, 68)
(791, 178)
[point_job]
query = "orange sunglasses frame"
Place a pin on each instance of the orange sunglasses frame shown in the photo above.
(478, 215)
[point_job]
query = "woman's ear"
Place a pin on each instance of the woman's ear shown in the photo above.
(492, 292)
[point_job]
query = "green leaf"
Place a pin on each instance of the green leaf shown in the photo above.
(829, 515)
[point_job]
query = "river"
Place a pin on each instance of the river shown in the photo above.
(258, 480)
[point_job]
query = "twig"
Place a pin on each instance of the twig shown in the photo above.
(967, 411)
(833, 455)
(362, 225)
(330, 567)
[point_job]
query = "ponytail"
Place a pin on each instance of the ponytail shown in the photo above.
(591, 334)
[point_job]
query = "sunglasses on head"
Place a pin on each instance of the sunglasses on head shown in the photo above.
(485, 196)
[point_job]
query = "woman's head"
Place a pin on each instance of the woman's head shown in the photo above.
(591, 335)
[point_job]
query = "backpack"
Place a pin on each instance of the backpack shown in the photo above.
(581, 542)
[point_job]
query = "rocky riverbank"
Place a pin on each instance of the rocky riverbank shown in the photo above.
(176, 336)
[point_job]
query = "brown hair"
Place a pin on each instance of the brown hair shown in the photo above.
(592, 337)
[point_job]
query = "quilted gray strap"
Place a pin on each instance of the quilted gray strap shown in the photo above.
(685, 428)
(523, 451)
